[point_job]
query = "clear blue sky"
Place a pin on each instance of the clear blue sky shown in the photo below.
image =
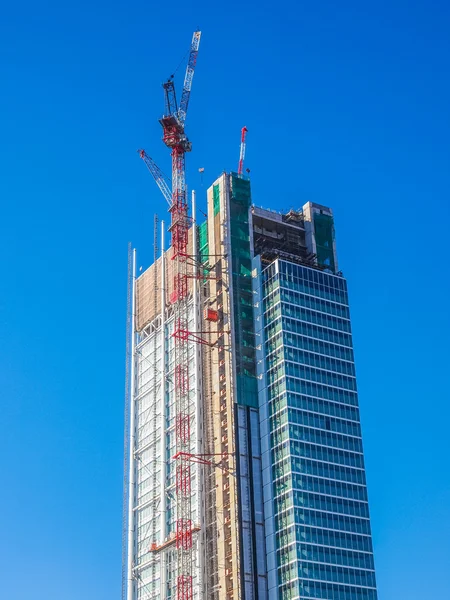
(347, 104)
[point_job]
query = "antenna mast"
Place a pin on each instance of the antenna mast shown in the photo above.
(242, 152)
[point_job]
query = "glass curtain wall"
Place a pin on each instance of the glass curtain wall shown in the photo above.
(320, 509)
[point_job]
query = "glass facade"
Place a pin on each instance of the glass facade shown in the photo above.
(316, 508)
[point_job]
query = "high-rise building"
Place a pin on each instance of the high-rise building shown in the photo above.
(318, 534)
(276, 471)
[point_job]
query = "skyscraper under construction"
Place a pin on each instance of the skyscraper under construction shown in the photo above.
(244, 470)
(273, 468)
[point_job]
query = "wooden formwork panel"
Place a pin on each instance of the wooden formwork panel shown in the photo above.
(146, 308)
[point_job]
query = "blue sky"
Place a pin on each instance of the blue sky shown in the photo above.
(346, 105)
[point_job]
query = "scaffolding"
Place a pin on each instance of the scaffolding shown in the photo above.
(157, 534)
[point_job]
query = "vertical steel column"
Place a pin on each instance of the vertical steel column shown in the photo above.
(132, 466)
(198, 319)
(197, 328)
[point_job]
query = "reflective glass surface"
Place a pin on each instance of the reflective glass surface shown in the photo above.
(321, 515)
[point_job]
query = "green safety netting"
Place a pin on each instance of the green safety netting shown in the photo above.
(324, 233)
(216, 199)
(203, 244)
(203, 235)
(240, 201)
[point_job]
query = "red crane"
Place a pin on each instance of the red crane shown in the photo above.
(158, 176)
(242, 152)
(174, 137)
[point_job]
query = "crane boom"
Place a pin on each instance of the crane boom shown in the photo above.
(188, 77)
(170, 98)
(157, 175)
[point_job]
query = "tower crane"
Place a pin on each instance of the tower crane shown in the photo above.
(242, 152)
(174, 137)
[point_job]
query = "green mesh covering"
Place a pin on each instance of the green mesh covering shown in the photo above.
(203, 234)
(203, 238)
(240, 201)
(216, 199)
(324, 231)
(203, 244)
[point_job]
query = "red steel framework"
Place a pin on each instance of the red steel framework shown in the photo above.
(175, 138)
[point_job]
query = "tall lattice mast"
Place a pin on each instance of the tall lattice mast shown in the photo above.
(175, 138)
(242, 151)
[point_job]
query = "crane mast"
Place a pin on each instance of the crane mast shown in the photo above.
(175, 138)
(242, 151)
